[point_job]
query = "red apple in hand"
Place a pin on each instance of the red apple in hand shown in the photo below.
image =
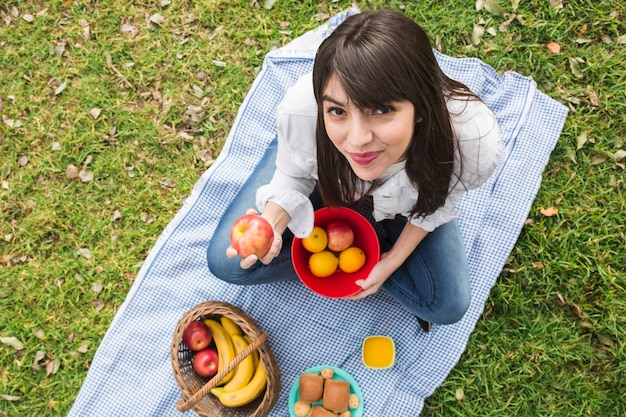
(251, 234)
(206, 362)
(340, 235)
(197, 336)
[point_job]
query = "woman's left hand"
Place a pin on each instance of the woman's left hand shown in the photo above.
(381, 271)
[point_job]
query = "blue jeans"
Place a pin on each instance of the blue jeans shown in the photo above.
(433, 283)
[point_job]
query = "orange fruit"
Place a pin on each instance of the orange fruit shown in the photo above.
(323, 264)
(317, 240)
(351, 259)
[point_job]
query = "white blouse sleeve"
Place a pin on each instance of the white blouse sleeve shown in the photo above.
(479, 137)
(296, 165)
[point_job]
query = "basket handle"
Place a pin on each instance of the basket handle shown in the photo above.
(184, 405)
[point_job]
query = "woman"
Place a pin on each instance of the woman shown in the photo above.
(380, 127)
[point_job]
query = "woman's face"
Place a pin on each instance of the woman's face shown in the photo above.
(370, 139)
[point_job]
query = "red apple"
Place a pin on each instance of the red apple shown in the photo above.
(340, 235)
(197, 336)
(206, 362)
(251, 234)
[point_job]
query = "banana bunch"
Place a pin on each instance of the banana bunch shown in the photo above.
(249, 378)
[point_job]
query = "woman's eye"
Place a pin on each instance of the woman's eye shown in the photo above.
(383, 110)
(335, 111)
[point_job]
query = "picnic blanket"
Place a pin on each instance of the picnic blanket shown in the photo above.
(131, 374)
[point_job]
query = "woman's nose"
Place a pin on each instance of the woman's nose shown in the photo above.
(360, 131)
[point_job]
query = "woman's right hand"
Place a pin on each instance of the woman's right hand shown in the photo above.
(274, 250)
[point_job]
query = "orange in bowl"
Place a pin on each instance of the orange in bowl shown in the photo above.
(339, 284)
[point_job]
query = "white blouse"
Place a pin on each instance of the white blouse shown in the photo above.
(473, 123)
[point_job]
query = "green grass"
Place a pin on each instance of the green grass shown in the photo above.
(552, 338)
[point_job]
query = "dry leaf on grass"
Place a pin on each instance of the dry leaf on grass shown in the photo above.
(553, 47)
(12, 341)
(548, 212)
(11, 397)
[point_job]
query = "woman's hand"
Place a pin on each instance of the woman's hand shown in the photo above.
(248, 261)
(381, 271)
(409, 239)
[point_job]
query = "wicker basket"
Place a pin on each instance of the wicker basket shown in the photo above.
(195, 389)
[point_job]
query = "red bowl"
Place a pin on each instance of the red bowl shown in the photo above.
(339, 284)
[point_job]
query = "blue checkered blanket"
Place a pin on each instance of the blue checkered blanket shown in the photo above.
(131, 374)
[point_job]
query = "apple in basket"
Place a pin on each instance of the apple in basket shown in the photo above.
(251, 234)
(197, 336)
(206, 362)
(340, 235)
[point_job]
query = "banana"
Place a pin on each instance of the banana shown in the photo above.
(225, 348)
(246, 394)
(230, 326)
(245, 369)
(255, 354)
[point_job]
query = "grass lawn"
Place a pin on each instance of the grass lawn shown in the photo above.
(112, 109)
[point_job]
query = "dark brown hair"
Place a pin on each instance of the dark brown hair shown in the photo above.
(380, 58)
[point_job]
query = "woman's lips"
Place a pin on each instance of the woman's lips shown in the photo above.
(364, 158)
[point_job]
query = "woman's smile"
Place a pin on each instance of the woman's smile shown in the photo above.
(364, 158)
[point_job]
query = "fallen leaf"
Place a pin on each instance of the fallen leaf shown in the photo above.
(593, 96)
(560, 299)
(557, 4)
(598, 159)
(84, 252)
(494, 8)
(85, 175)
(157, 19)
(537, 264)
(11, 397)
(268, 4)
(215, 32)
(22, 161)
(39, 356)
(60, 88)
(575, 68)
(127, 28)
(13, 342)
(83, 348)
(52, 367)
(606, 340)
(459, 394)
(619, 155)
(28, 17)
(97, 287)
(95, 112)
(477, 34)
(548, 212)
(582, 30)
(621, 39)
(197, 91)
(581, 139)
(72, 171)
(553, 47)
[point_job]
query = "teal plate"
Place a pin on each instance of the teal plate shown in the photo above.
(340, 375)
